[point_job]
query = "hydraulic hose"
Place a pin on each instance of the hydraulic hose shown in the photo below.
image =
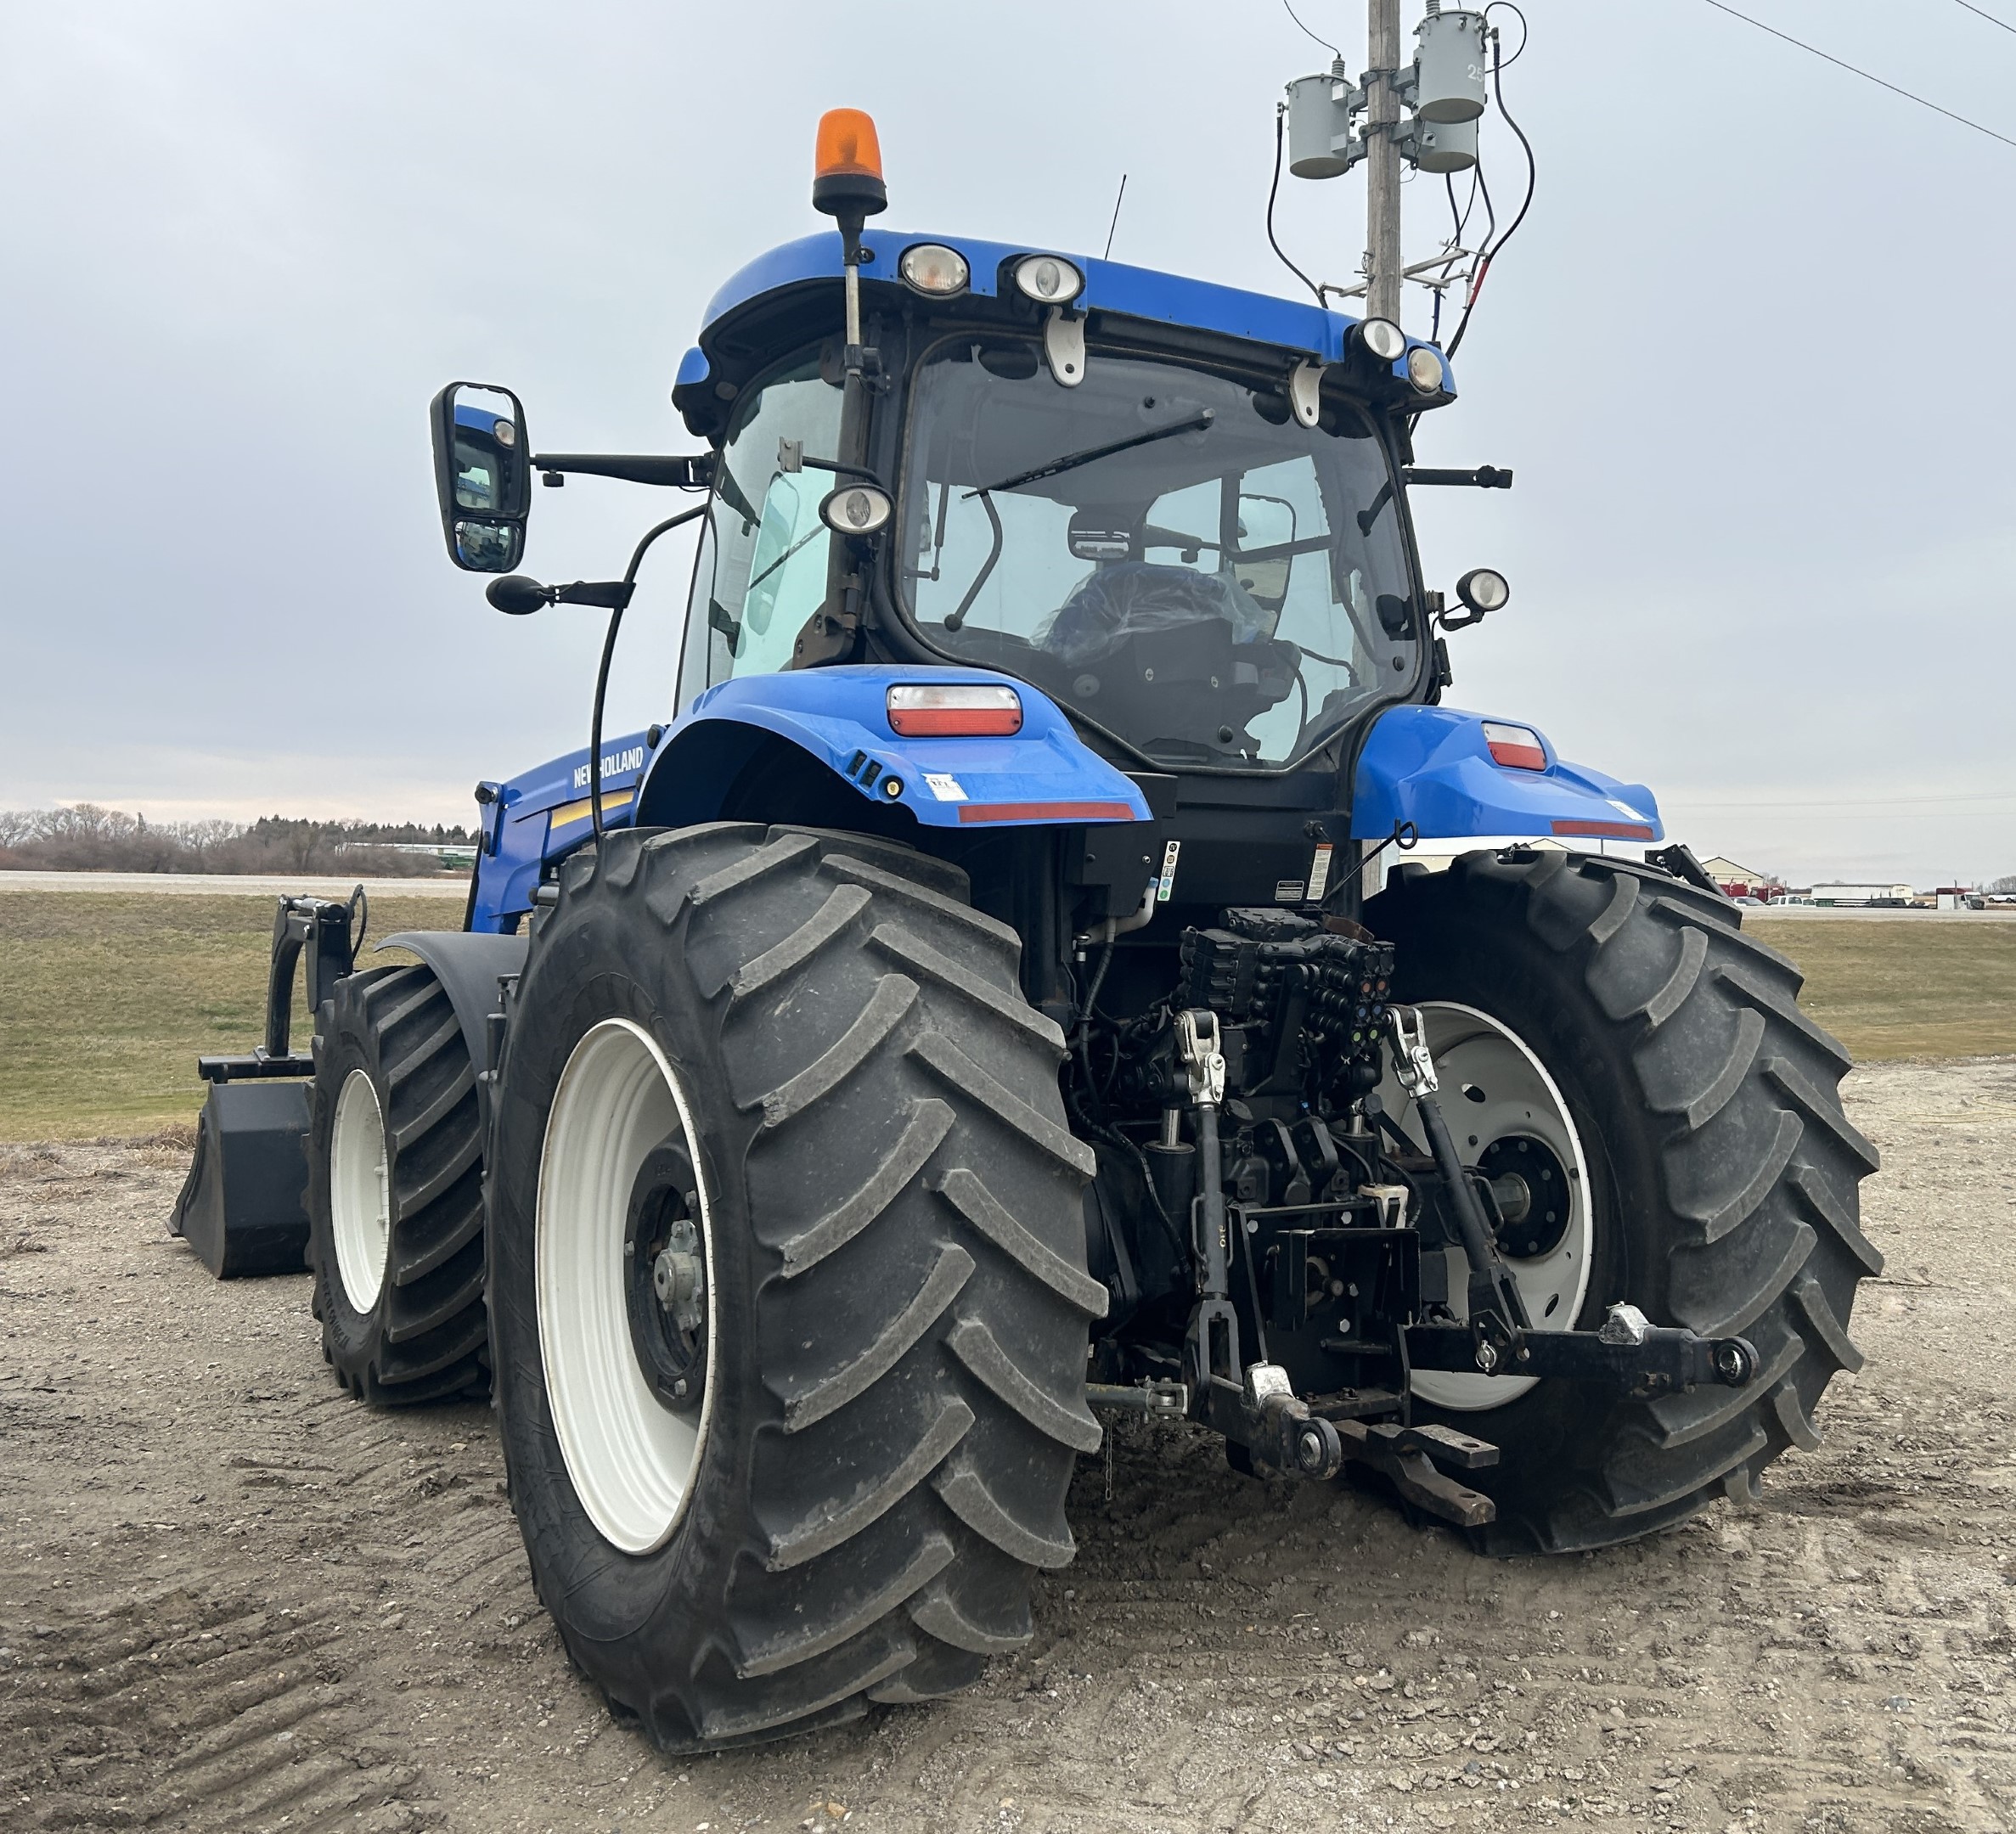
(616, 620)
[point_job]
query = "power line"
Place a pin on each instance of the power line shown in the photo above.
(1324, 42)
(1849, 802)
(1989, 17)
(1854, 71)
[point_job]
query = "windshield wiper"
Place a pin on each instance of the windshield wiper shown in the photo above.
(1196, 423)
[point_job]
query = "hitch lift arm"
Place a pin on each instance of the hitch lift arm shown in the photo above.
(1642, 1359)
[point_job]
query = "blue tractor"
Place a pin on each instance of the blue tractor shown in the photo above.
(998, 997)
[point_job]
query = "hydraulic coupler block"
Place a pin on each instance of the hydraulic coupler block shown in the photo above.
(1299, 1003)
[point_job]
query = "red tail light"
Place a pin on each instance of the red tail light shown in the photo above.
(1516, 747)
(954, 709)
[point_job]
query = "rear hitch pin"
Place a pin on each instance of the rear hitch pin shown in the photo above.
(1203, 1062)
(1411, 1062)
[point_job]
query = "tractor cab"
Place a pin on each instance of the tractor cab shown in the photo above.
(1175, 508)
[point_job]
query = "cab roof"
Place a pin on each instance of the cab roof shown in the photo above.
(1293, 326)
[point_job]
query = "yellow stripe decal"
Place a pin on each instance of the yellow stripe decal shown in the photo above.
(611, 802)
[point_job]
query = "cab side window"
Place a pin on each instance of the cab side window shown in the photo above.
(762, 567)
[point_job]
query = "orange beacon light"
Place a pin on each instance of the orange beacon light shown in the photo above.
(846, 179)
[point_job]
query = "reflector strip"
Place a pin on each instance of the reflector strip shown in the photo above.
(1601, 831)
(956, 723)
(1010, 812)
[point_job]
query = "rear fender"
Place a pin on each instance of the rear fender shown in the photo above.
(1430, 768)
(837, 718)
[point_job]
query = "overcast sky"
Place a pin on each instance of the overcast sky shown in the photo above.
(1749, 358)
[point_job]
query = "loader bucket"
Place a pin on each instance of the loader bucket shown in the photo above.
(243, 1207)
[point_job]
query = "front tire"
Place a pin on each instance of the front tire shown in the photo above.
(1722, 1172)
(395, 1193)
(800, 1062)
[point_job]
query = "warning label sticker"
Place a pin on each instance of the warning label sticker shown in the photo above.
(1319, 873)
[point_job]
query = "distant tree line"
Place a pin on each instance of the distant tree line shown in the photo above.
(2003, 885)
(82, 837)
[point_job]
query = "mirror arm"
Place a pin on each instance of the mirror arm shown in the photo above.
(612, 595)
(846, 471)
(1484, 477)
(691, 471)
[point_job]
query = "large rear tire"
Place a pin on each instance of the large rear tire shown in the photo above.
(396, 1192)
(1722, 1171)
(817, 1461)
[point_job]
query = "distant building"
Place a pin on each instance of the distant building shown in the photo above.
(1740, 881)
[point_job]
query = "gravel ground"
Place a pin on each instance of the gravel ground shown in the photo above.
(230, 1598)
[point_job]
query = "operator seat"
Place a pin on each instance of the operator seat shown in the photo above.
(1169, 654)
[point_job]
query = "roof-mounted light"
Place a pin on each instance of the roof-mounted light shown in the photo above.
(932, 267)
(1383, 339)
(1049, 279)
(1516, 747)
(954, 709)
(1424, 369)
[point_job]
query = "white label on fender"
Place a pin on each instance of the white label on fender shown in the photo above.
(1167, 881)
(1319, 873)
(945, 789)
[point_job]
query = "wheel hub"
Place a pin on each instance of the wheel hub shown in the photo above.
(1527, 1177)
(665, 1277)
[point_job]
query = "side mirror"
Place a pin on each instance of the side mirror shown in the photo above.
(482, 474)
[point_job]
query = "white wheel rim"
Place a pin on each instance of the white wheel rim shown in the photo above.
(359, 1192)
(1473, 1051)
(630, 1459)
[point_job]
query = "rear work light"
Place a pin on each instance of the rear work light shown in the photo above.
(1517, 747)
(954, 709)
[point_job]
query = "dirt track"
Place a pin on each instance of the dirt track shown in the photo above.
(231, 1598)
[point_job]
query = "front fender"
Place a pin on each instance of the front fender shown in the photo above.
(1043, 775)
(469, 965)
(1430, 767)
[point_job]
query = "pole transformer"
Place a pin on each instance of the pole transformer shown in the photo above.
(1332, 123)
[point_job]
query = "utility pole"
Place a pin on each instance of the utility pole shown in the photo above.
(1383, 258)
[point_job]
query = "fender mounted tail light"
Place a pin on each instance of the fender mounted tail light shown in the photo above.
(954, 709)
(1516, 747)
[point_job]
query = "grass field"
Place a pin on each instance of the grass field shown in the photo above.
(1891, 988)
(107, 998)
